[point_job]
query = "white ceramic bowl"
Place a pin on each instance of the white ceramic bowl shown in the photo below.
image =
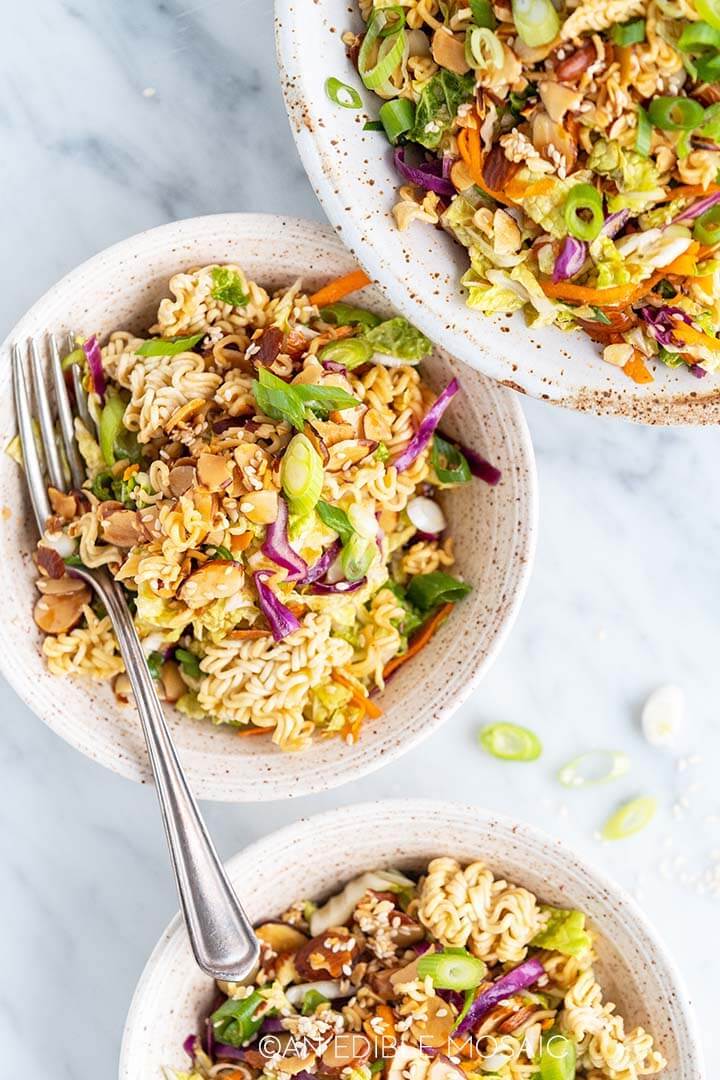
(419, 270)
(493, 528)
(314, 856)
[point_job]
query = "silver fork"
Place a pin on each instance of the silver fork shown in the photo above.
(221, 936)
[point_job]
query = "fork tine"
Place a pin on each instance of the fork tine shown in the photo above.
(31, 458)
(82, 402)
(65, 415)
(47, 427)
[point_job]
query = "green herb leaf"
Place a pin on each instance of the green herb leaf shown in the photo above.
(336, 519)
(483, 14)
(278, 400)
(427, 591)
(449, 463)
(168, 346)
(73, 560)
(600, 315)
(220, 552)
(565, 932)
(228, 287)
(439, 102)
(412, 619)
(324, 399)
(235, 1021)
(397, 337)
(310, 1002)
(189, 662)
(341, 314)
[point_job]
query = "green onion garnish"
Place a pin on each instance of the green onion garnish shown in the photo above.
(711, 122)
(383, 47)
(189, 662)
(483, 49)
(397, 117)
(584, 199)
(77, 356)
(699, 36)
(238, 1019)
(708, 69)
(629, 33)
(449, 463)
(427, 591)
(310, 1002)
(111, 426)
(342, 94)
(483, 14)
(594, 767)
(155, 662)
(373, 125)
(600, 315)
(73, 560)
(707, 226)
(630, 818)
(536, 21)
(350, 352)
(675, 114)
(301, 474)
(220, 552)
(168, 346)
(558, 1058)
(510, 742)
(356, 557)
(342, 314)
(643, 134)
(709, 10)
(452, 970)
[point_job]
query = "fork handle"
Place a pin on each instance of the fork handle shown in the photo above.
(220, 933)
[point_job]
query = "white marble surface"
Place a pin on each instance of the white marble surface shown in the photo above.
(624, 596)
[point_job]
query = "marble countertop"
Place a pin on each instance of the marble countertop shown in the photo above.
(119, 116)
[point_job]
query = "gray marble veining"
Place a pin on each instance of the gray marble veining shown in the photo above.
(117, 115)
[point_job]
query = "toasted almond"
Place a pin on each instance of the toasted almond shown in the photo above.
(58, 614)
(460, 177)
(376, 427)
(191, 410)
(123, 528)
(213, 471)
(448, 51)
(181, 479)
(260, 507)
(250, 634)
(216, 580)
(63, 586)
(122, 688)
(50, 561)
(172, 681)
(63, 503)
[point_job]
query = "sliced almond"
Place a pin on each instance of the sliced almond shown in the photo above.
(260, 507)
(181, 479)
(213, 471)
(437, 1026)
(122, 688)
(64, 504)
(216, 580)
(558, 99)
(58, 614)
(172, 681)
(347, 1051)
(448, 51)
(123, 528)
(190, 411)
(281, 937)
(63, 586)
(376, 426)
(50, 561)
(460, 177)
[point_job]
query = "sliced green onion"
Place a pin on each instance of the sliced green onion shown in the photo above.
(373, 125)
(189, 662)
(643, 134)
(342, 314)
(709, 10)
(220, 552)
(278, 399)
(707, 226)
(335, 518)
(675, 114)
(483, 49)
(510, 742)
(383, 47)
(168, 346)
(155, 662)
(427, 591)
(350, 352)
(586, 200)
(594, 767)
(452, 970)
(449, 463)
(342, 94)
(630, 818)
(310, 1002)
(301, 474)
(708, 70)
(558, 1058)
(376, 1066)
(684, 145)
(111, 427)
(698, 36)
(629, 33)
(77, 356)
(235, 1022)
(483, 14)
(536, 21)
(356, 557)
(397, 117)
(711, 123)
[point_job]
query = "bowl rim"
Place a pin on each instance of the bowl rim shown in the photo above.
(521, 830)
(630, 401)
(499, 400)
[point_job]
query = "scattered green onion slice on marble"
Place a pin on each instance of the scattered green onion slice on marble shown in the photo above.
(342, 94)
(510, 742)
(630, 819)
(594, 767)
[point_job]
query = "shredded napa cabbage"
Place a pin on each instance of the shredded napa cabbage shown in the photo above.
(637, 177)
(609, 263)
(546, 210)
(564, 931)
(490, 299)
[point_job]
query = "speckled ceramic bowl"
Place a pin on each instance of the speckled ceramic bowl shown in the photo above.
(320, 853)
(419, 270)
(493, 528)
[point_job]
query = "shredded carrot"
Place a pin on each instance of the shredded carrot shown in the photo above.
(240, 542)
(706, 283)
(363, 702)
(520, 189)
(335, 291)
(469, 147)
(419, 640)
(690, 191)
(637, 369)
(683, 266)
(130, 471)
(248, 635)
(695, 337)
(250, 732)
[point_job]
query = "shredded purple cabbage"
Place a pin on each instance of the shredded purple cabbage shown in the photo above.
(95, 366)
(429, 175)
(281, 620)
(694, 210)
(333, 365)
(189, 1044)
(615, 222)
(520, 978)
(570, 259)
(230, 1053)
(661, 322)
(325, 588)
(698, 371)
(320, 568)
(277, 546)
(479, 466)
(427, 425)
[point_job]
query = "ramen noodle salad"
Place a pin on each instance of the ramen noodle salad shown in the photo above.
(458, 975)
(573, 149)
(262, 480)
